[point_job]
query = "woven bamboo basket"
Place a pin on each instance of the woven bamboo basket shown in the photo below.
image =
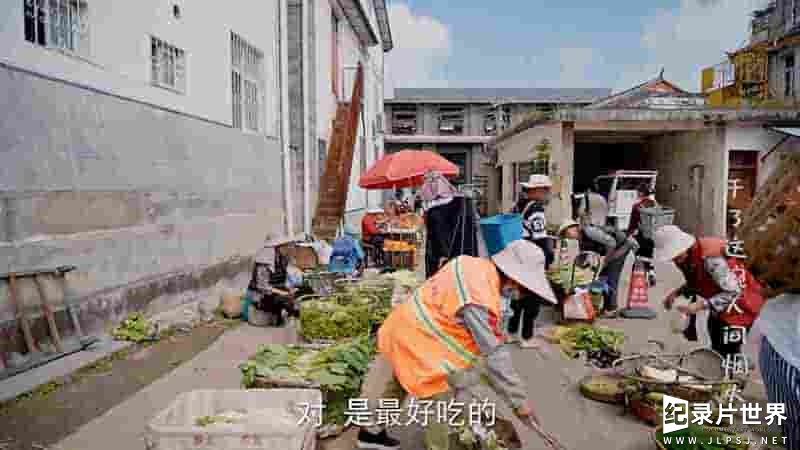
(615, 398)
(702, 361)
(645, 411)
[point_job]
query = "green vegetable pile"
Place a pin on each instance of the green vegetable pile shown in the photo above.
(589, 338)
(338, 370)
(703, 439)
(337, 317)
(135, 328)
(403, 278)
(205, 421)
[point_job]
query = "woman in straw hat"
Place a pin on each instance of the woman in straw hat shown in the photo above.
(709, 270)
(451, 332)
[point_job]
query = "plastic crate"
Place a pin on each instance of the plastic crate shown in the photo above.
(175, 429)
(401, 259)
(654, 218)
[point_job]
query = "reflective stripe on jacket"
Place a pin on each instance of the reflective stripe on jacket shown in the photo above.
(425, 340)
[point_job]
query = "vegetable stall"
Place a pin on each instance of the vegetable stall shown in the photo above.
(339, 346)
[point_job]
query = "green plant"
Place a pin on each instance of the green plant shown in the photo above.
(590, 339)
(338, 370)
(325, 320)
(541, 156)
(135, 328)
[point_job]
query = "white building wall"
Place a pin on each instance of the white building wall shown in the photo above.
(134, 184)
(351, 53)
(119, 52)
(755, 139)
(326, 101)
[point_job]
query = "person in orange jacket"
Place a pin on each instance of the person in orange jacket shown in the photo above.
(454, 325)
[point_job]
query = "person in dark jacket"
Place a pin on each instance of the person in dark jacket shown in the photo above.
(534, 228)
(646, 199)
(269, 272)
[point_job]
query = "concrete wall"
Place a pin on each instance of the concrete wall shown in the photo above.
(126, 191)
(296, 35)
(519, 148)
(118, 60)
(699, 204)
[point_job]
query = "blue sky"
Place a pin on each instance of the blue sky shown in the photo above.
(560, 43)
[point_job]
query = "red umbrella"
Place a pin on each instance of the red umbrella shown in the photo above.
(405, 168)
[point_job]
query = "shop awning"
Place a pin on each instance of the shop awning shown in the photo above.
(788, 131)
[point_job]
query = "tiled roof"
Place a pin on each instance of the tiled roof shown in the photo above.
(656, 88)
(499, 95)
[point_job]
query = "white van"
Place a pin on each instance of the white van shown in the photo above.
(620, 189)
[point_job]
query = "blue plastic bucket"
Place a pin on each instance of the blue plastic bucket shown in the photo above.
(246, 302)
(500, 230)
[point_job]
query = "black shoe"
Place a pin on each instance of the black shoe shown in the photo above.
(380, 441)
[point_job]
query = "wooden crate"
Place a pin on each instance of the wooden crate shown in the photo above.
(401, 259)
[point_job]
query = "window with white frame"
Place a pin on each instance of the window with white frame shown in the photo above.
(167, 65)
(247, 85)
(61, 24)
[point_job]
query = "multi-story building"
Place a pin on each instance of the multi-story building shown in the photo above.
(764, 72)
(458, 123)
(141, 140)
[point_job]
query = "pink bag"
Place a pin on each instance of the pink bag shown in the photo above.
(578, 306)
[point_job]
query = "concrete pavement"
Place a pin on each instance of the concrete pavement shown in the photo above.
(551, 378)
(122, 427)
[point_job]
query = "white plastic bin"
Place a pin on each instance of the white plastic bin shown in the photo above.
(175, 428)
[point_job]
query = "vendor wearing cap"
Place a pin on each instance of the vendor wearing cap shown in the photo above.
(706, 265)
(452, 330)
(532, 208)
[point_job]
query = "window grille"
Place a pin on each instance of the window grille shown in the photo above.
(168, 65)
(61, 24)
(247, 84)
